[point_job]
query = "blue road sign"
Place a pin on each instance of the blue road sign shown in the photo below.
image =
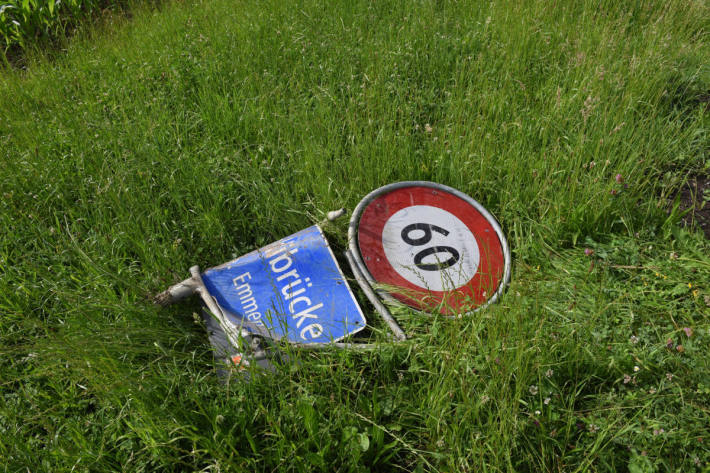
(293, 288)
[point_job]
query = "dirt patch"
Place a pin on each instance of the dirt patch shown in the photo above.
(695, 197)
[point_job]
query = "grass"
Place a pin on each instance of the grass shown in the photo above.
(32, 25)
(201, 131)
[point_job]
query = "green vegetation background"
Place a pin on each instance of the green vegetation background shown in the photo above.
(31, 25)
(201, 130)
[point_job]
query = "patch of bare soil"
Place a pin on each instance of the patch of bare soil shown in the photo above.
(695, 197)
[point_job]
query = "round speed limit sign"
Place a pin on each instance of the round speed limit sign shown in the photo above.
(430, 246)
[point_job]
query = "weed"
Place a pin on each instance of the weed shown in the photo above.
(204, 130)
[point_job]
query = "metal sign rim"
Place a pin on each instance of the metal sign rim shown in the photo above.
(363, 204)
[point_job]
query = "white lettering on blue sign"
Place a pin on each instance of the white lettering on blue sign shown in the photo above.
(248, 303)
(294, 288)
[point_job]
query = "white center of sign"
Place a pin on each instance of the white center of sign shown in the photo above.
(430, 247)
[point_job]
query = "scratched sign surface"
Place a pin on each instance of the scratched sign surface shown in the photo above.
(294, 288)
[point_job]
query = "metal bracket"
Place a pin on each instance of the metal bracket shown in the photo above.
(379, 306)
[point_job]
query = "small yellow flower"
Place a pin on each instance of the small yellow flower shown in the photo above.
(695, 293)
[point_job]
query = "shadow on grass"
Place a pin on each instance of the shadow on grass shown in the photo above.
(51, 40)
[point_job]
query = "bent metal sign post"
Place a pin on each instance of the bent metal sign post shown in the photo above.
(417, 243)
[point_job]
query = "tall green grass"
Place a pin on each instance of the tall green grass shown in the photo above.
(207, 129)
(26, 24)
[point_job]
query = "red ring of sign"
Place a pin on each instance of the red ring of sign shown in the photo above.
(470, 295)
